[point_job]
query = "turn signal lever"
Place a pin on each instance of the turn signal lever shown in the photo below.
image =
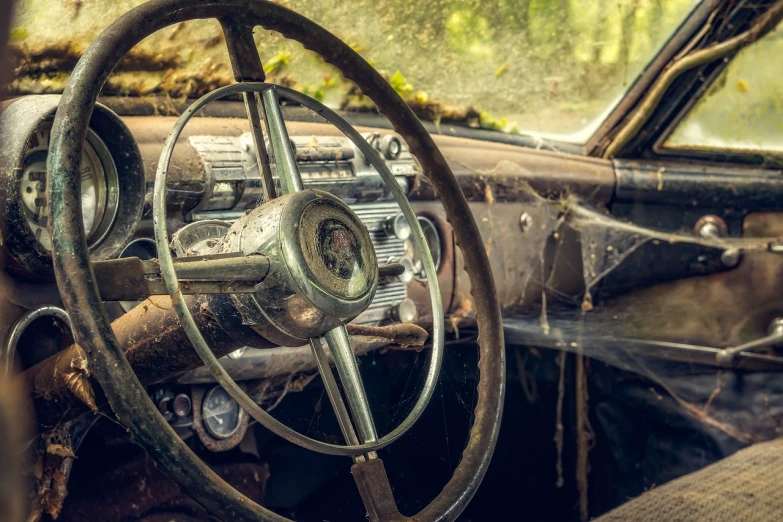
(131, 279)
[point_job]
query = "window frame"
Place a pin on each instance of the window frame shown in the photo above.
(688, 29)
(726, 155)
(682, 95)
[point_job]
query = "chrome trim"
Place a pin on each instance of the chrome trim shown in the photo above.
(298, 266)
(345, 362)
(285, 159)
(333, 391)
(293, 300)
(18, 329)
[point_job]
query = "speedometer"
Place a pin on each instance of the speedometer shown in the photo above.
(112, 184)
(99, 187)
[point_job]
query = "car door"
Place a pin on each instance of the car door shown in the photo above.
(682, 271)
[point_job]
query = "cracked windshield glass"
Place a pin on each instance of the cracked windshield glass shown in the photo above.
(552, 68)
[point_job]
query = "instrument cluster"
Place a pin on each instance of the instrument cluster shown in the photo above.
(112, 184)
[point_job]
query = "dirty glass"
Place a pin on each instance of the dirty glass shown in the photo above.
(743, 109)
(547, 67)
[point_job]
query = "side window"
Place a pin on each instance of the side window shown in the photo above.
(743, 110)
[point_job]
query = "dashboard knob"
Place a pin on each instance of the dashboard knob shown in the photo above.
(182, 405)
(397, 226)
(404, 311)
(391, 146)
(407, 275)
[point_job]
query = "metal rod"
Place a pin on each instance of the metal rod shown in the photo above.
(285, 158)
(335, 397)
(391, 270)
(726, 356)
(769, 340)
(157, 287)
(254, 114)
(345, 362)
(236, 268)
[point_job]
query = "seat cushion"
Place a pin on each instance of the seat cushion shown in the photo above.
(745, 486)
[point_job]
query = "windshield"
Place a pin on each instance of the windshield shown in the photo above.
(541, 67)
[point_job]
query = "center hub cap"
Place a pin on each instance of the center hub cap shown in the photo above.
(339, 257)
(323, 266)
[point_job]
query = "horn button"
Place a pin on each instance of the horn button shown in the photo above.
(323, 266)
(337, 250)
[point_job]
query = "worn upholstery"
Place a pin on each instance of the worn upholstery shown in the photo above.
(747, 486)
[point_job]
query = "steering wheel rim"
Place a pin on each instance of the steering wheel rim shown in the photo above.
(79, 291)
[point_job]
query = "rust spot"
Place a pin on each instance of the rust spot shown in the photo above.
(54, 459)
(464, 310)
(405, 334)
(60, 450)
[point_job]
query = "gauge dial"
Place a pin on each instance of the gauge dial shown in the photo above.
(432, 237)
(221, 413)
(100, 192)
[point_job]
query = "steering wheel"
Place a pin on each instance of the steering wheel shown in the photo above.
(299, 273)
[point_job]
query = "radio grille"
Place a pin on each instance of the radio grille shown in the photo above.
(391, 291)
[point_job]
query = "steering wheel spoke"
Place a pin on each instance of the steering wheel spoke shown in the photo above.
(348, 369)
(368, 470)
(247, 67)
(333, 391)
(285, 155)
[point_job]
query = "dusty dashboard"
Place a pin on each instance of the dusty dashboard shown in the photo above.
(214, 179)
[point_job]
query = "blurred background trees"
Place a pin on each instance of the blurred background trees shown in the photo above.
(546, 66)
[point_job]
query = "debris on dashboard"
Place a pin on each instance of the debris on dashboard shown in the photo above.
(79, 384)
(405, 335)
(54, 458)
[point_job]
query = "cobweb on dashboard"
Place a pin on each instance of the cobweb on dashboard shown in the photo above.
(634, 336)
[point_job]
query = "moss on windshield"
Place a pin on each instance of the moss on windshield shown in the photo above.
(533, 66)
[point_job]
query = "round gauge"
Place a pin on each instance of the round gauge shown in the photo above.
(112, 184)
(199, 238)
(220, 413)
(100, 187)
(432, 237)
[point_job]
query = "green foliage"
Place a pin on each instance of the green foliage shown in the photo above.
(487, 121)
(468, 34)
(400, 84)
(277, 63)
(316, 93)
(500, 71)
(18, 34)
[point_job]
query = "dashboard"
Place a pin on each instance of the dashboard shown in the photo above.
(214, 180)
(215, 177)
